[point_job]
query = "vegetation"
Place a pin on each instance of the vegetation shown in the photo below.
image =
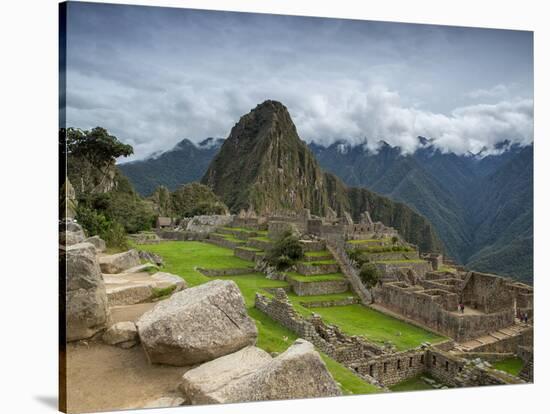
(107, 204)
(376, 326)
(183, 164)
(285, 252)
(510, 365)
(369, 275)
(413, 384)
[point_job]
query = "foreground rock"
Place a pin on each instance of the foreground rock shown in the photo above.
(87, 311)
(197, 325)
(122, 334)
(252, 375)
(151, 257)
(98, 242)
(116, 263)
(133, 288)
(200, 384)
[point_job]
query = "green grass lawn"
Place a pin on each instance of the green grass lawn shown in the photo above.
(320, 262)
(334, 296)
(510, 365)
(181, 258)
(320, 253)
(376, 326)
(412, 384)
(261, 238)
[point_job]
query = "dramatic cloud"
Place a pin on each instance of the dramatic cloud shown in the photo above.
(154, 76)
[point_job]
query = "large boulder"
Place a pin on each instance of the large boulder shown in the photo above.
(68, 238)
(132, 288)
(122, 334)
(200, 384)
(98, 242)
(298, 372)
(197, 325)
(116, 263)
(86, 311)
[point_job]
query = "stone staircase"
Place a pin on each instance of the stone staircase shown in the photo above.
(491, 338)
(348, 269)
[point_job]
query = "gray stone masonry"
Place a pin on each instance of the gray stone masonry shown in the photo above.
(318, 287)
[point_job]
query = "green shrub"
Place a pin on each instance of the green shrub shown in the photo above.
(95, 223)
(369, 274)
(394, 239)
(285, 252)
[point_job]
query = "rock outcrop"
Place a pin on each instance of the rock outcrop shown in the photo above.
(70, 233)
(98, 242)
(207, 224)
(116, 263)
(197, 325)
(200, 384)
(87, 311)
(122, 334)
(133, 288)
(252, 375)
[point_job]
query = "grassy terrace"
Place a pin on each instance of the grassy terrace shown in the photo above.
(261, 238)
(376, 326)
(320, 253)
(182, 257)
(316, 278)
(230, 237)
(400, 261)
(320, 262)
(510, 365)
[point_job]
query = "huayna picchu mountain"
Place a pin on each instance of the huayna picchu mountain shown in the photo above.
(264, 165)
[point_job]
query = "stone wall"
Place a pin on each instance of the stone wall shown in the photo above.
(313, 245)
(309, 269)
(276, 229)
(319, 288)
(487, 293)
(246, 254)
(225, 272)
(392, 270)
(181, 235)
(394, 368)
(346, 349)
(435, 309)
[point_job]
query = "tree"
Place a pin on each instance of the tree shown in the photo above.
(97, 146)
(285, 252)
(370, 275)
(394, 239)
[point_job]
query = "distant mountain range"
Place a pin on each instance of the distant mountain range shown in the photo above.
(480, 205)
(184, 163)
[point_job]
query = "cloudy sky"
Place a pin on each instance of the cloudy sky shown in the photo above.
(153, 76)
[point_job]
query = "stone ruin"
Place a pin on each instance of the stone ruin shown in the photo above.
(380, 366)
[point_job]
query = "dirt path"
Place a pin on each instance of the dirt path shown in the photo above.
(102, 377)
